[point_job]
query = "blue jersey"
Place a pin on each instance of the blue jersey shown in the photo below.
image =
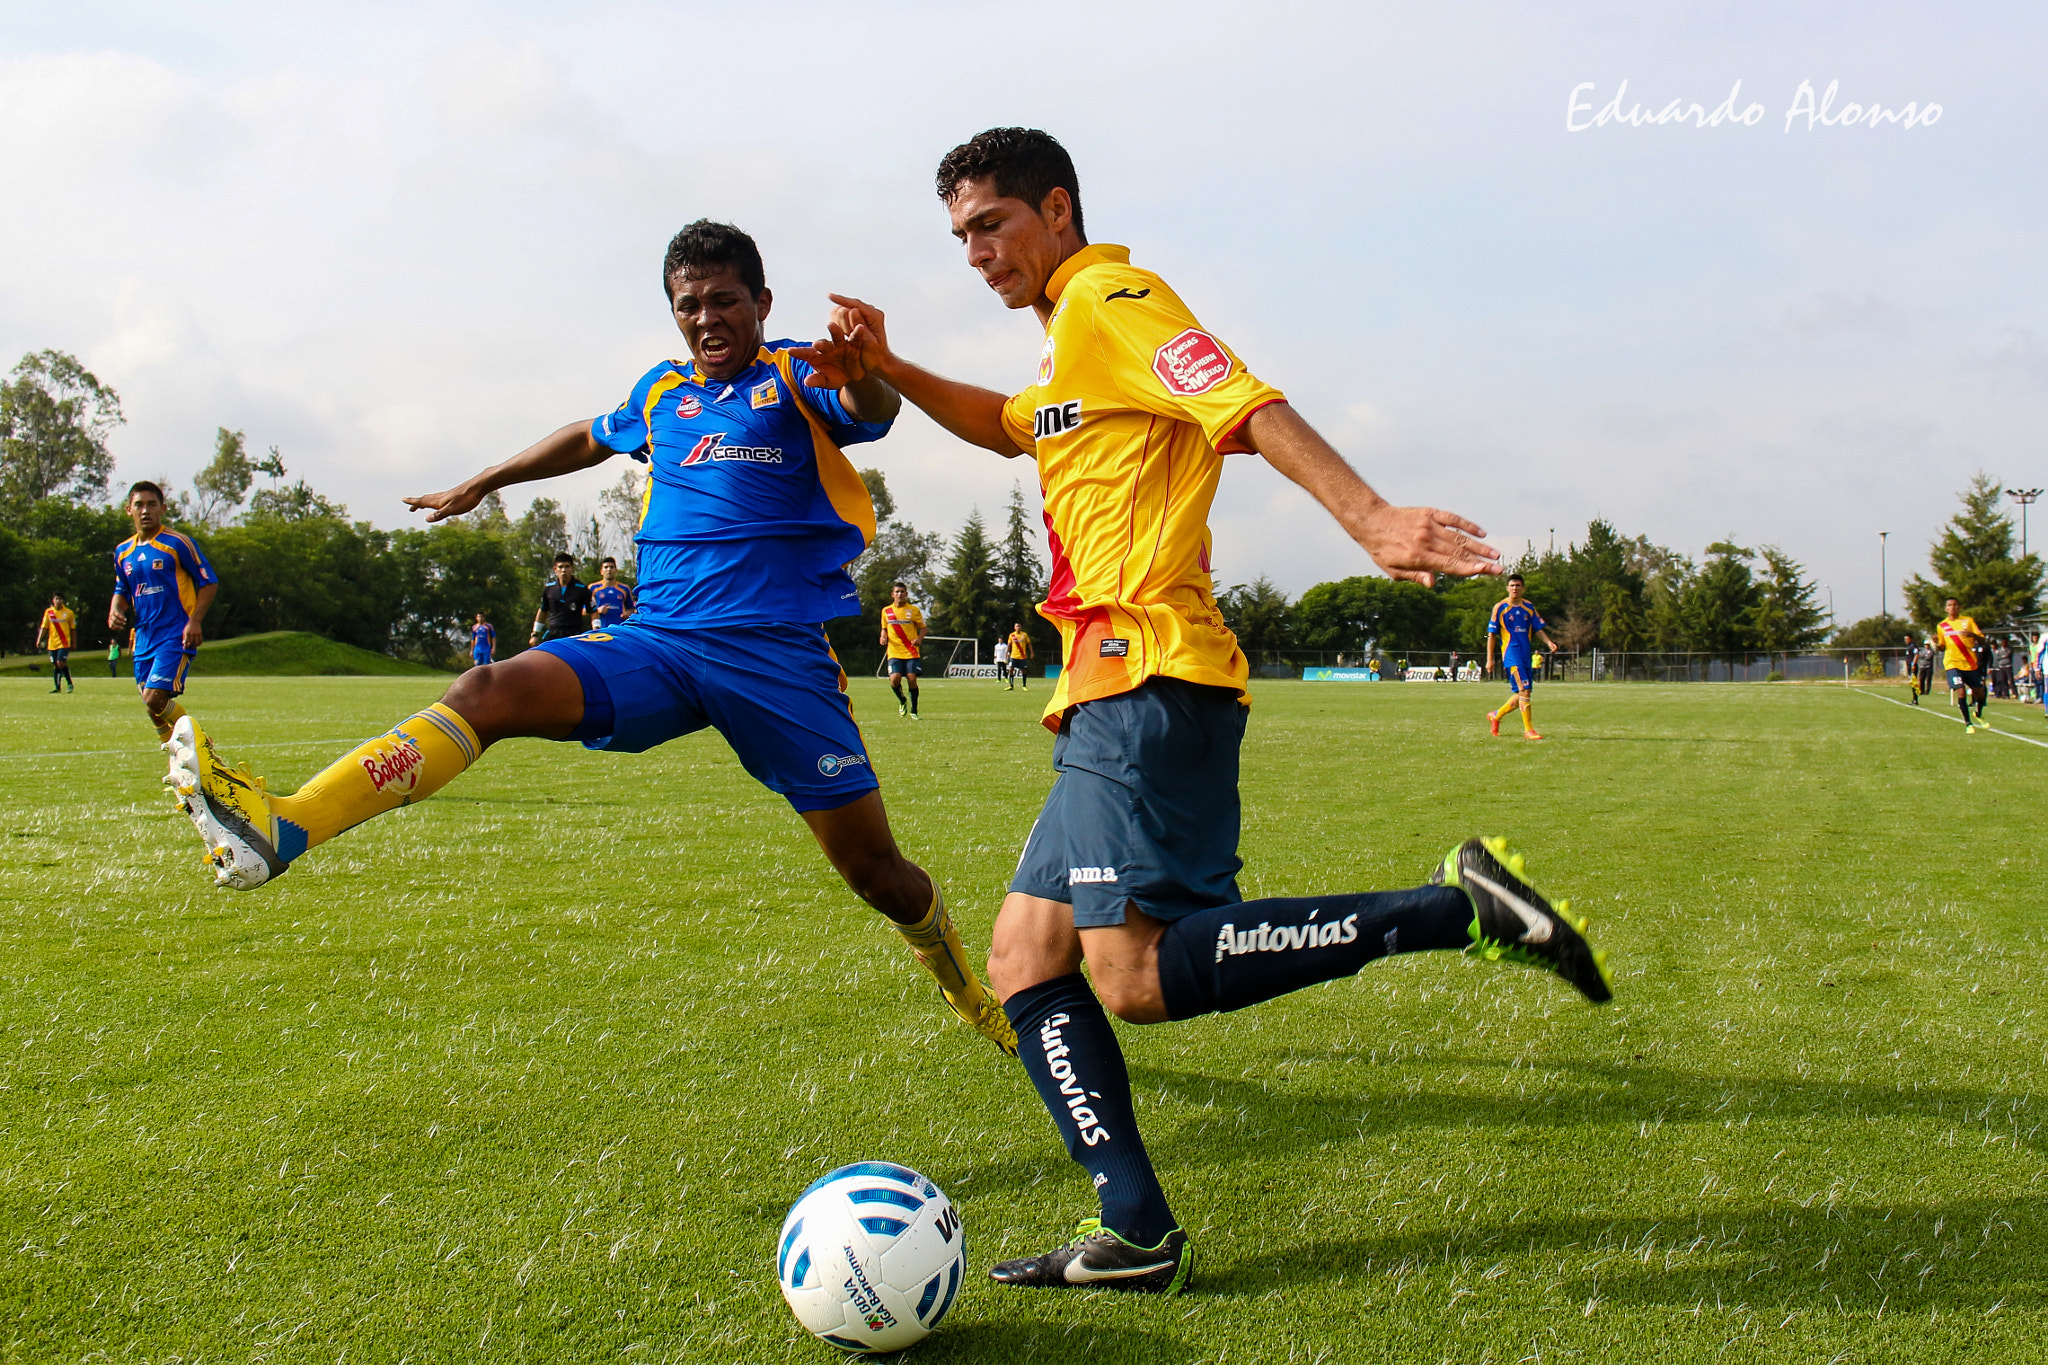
(751, 513)
(611, 604)
(1514, 625)
(162, 576)
(482, 640)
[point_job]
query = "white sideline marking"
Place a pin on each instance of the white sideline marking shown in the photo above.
(117, 753)
(1953, 720)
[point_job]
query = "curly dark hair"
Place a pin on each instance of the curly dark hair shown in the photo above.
(704, 246)
(1023, 163)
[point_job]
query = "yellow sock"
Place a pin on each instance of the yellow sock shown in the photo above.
(1528, 718)
(1500, 713)
(414, 759)
(171, 716)
(936, 942)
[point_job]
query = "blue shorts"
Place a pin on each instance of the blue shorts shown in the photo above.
(1972, 678)
(1521, 678)
(163, 670)
(776, 692)
(1145, 806)
(899, 667)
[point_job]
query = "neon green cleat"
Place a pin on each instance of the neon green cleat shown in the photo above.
(228, 806)
(1097, 1258)
(1514, 922)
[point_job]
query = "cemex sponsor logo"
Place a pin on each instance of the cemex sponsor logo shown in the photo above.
(713, 447)
(1232, 942)
(1055, 419)
(831, 764)
(686, 406)
(1071, 1091)
(1090, 876)
(1193, 362)
(396, 766)
(862, 1295)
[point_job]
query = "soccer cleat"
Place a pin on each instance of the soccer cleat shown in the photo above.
(1530, 734)
(1514, 922)
(902, 708)
(1493, 723)
(1099, 1259)
(989, 1021)
(1969, 729)
(229, 808)
(913, 715)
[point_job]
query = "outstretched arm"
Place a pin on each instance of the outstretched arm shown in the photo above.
(1415, 543)
(972, 413)
(566, 451)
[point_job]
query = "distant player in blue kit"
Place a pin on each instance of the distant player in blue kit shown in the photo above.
(751, 516)
(483, 642)
(1508, 629)
(163, 586)
(610, 601)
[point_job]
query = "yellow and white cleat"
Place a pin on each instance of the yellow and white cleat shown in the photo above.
(987, 1019)
(229, 808)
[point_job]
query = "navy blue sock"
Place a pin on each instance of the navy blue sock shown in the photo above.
(1069, 1049)
(1238, 955)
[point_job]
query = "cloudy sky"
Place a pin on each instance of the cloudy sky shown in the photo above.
(402, 241)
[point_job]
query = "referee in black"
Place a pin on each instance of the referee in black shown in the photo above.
(564, 604)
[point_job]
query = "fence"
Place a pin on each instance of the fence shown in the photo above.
(1593, 665)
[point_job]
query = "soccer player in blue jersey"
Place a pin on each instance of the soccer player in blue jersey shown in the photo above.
(610, 601)
(751, 519)
(1508, 629)
(164, 586)
(483, 642)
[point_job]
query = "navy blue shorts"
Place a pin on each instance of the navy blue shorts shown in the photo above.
(1972, 678)
(1521, 678)
(899, 667)
(775, 692)
(163, 670)
(1145, 806)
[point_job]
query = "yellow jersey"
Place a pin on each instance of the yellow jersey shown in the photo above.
(1020, 645)
(1959, 639)
(61, 624)
(1134, 408)
(904, 627)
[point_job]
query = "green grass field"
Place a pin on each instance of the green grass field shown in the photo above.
(273, 654)
(530, 1072)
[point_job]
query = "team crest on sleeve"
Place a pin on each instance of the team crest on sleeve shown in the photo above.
(688, 406)
(1193, 362)
(1045, 361)
(765, 394)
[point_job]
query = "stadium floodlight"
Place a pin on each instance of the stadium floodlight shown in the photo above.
(2025, 498)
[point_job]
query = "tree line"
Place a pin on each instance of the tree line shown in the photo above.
(292, 559)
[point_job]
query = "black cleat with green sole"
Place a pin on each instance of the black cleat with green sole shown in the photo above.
(1514, 922)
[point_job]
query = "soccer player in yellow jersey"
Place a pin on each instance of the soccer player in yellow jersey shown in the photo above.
(1132, 866)
(1960, 642)
(60, 629)
(1020, 650)
(902, 637)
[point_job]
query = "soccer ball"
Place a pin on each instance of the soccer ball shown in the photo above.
(871, 1256)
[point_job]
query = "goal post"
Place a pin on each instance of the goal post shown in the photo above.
(947, 656)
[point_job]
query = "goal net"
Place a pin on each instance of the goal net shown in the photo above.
(948, 656)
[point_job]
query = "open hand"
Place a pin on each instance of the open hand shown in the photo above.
(1418, 543)
(441, 506)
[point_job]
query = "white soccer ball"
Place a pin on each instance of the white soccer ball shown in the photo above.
(871, 1256)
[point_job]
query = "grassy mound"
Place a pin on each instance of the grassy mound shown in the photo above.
(274, 654)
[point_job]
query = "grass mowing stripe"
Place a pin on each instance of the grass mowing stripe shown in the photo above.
(1941, 714)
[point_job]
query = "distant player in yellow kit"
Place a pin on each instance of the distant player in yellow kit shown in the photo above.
(1020, 652)
(1132, 865)
(60, 629)
(1960, 641)
(902, 636)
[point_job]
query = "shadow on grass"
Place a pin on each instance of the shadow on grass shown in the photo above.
(1079, 1339)
(1862, 1258)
